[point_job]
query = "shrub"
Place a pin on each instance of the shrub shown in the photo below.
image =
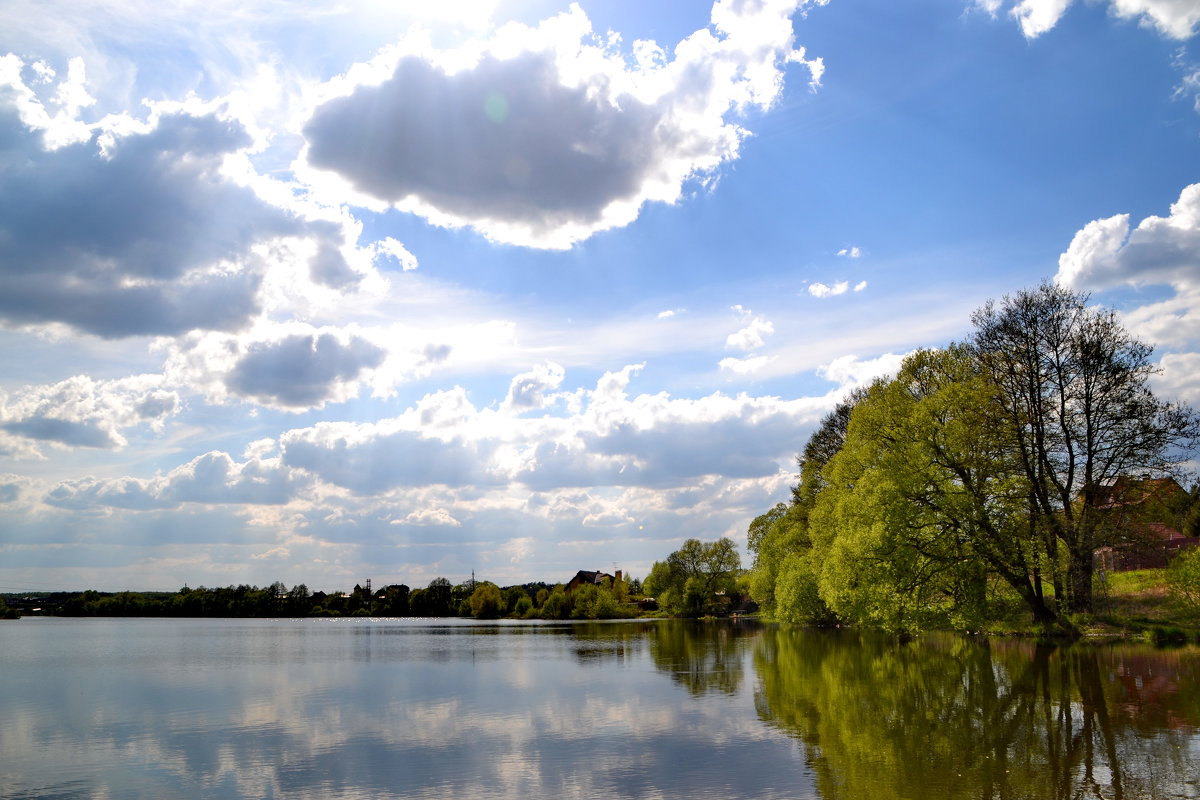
(1183, 578)
(557, 606)
(486, 602)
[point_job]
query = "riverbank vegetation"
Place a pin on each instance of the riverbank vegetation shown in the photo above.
(699, 579)
(981, 478)
(609, 599)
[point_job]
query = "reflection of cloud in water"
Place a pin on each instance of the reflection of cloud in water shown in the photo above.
(351, 709)
(304, 710)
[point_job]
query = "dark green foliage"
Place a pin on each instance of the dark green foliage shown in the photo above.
(275, 600)
(432, 601)
(513, 595)
(8, 613)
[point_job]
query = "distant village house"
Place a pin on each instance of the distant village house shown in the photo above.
(594, 578)
(1142, 515)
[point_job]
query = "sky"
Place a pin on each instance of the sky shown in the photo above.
(318, 292)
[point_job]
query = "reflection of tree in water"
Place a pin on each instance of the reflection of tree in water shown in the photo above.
(949, 717)
(704, 656)
(594, 642)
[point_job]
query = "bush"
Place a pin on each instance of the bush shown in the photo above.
(487, 602)
(1183, 578)
(557, 606)
(6, 612)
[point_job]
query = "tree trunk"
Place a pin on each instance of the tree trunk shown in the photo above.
(1079, 574)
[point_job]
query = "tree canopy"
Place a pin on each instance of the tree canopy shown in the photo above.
(696, 579)
(977, 466)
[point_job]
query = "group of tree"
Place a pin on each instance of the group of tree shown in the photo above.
(978, 472)
(610, 599)
(699, 579)
(440, 598)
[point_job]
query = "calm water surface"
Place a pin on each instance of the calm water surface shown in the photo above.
(406, 708)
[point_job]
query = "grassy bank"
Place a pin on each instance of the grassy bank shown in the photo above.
(1136, 604)
(1139, 603)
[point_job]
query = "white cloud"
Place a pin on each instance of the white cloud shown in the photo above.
(528, 390)
(1180, 378)
(647, 440)
(1160, 250)
(608, 439)
(173, 245)
(1174, 322)
(744, 366)
(84, 412)
(858, 287)
(438, 517)
(1038, 16)
(556, 135)
(850, 252)
(848, 371)
(1163, 251)
(388, 247)
(989, 6)
(751, 336)
(1174, 18)
(62, 127)
(822, 290)
(289, 366)
(213, 478)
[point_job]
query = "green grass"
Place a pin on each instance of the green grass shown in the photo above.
(1135, 603)
(1139, 602)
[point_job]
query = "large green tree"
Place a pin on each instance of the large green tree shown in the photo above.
(696, 579)
(782, 577)
(923, 503)
(1071, 386)
(991, 460)
(486, 601)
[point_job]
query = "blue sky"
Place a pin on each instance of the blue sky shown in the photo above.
(319, 295)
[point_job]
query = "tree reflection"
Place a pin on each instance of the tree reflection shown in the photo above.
(703, 656)
(953, 717)
(601, 642)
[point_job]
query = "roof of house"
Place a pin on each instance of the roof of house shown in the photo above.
(1126, 491)
(587, 576)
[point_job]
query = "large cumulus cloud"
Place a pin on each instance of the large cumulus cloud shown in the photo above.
(126, 228)
(84, 412)
(212, 478)
(605, 438)
(546, 137)
(302, 370)
(1159, 251)
(291, 366)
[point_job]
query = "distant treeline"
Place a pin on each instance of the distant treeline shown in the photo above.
(440, 598)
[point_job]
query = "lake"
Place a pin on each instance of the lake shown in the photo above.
(390, 708)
